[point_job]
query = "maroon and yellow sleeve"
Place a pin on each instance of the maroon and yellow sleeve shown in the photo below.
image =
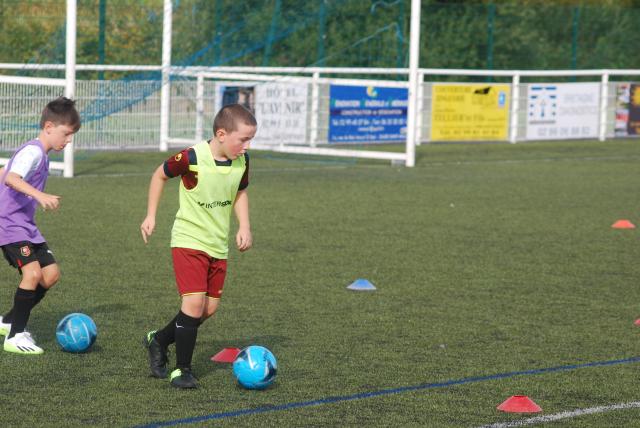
(178, 164)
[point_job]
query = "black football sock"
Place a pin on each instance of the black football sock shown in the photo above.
(167, 335)
(22, 304)
(186, 333)
(40, 293)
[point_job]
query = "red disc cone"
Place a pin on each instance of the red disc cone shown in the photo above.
(519, 404)
(623, 224)
(637, 322)
(227, 355)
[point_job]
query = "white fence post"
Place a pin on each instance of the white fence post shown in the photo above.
(604, 104)
(200, 108)
(420, 108)
(315, 109)
(165, 92)
(515, 101)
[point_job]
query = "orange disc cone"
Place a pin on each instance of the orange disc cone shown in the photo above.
(623, 224)
(227, 355)
(519, 404)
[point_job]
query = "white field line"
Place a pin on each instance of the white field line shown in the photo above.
(565, 415)
(428, 164)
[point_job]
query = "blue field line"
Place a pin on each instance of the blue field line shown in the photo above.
(363, 395)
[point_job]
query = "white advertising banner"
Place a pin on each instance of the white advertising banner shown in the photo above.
(560, 111)
(280, 108)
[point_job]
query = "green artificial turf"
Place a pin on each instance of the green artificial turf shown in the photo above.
(487, 258)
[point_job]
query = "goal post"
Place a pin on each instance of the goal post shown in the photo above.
(70, 74)
(22, 117)
(404, 125)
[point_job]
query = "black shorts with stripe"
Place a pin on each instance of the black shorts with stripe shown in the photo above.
(21, 253)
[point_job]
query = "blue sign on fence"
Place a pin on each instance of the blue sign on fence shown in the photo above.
(367, 114)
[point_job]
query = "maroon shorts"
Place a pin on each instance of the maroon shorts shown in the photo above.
(198, 272)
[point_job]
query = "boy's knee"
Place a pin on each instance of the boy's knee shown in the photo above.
(211, 306)
(31, 278)
(210, 311)
(206, 314)
(50, 278)
(192, 306)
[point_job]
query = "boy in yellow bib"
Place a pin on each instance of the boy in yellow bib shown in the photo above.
(214, 179)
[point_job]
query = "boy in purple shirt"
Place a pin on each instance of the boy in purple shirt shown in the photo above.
(22, 184)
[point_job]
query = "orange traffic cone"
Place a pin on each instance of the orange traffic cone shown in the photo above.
(623, 224)
(519, 404)
(227, 355)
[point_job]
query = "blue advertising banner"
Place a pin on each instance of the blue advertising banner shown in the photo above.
(367, 114)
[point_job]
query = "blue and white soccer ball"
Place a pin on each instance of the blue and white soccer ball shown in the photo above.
(255, 367)
(76, 333)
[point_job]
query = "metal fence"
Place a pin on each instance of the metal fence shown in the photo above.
(125, 114)
(116, 114)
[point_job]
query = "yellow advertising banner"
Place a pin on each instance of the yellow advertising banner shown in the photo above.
(470, 112)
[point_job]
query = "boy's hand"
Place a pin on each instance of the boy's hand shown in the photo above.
(147, 228)
(48, 202)
(244, 240)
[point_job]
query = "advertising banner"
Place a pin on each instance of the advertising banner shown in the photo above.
(280, 108)
(469, 112)
(562, 111)
(622, 109)
(633, 126)
(367, 114)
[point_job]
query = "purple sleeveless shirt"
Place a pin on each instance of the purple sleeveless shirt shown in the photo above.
(17, 210)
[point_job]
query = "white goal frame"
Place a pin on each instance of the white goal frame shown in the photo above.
(413, 86)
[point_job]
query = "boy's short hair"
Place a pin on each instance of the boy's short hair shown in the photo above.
(229, 116)
(61, 111)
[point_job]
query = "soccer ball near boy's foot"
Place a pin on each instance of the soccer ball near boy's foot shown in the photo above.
(76, 333)
(255, 367)
(158, 356)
